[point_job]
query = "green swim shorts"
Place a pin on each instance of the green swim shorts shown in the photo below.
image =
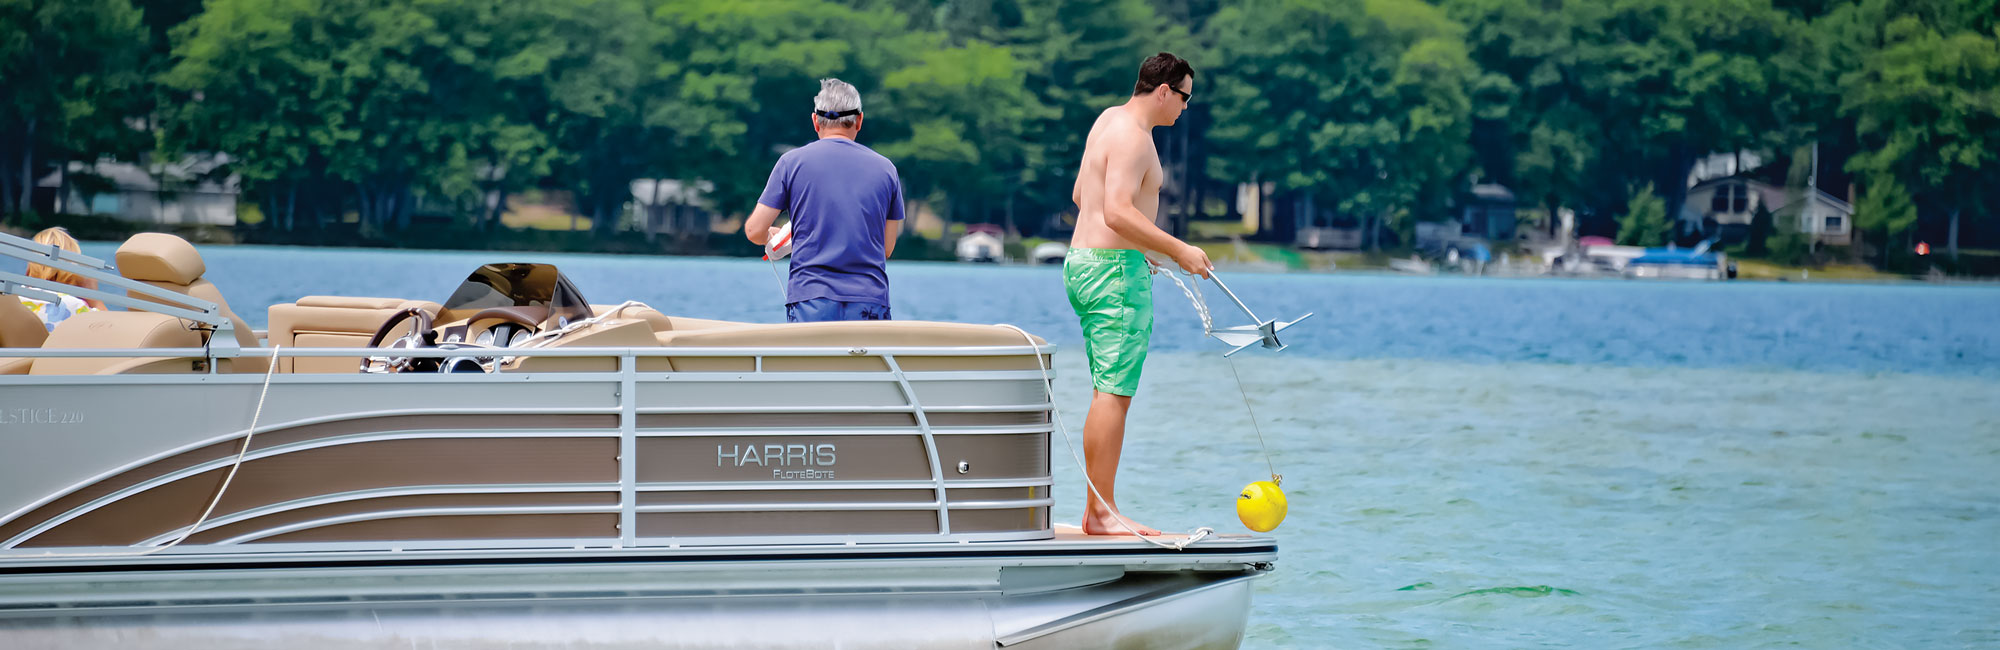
(1111, 290)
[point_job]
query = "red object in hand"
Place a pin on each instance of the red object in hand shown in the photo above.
(780, 245)
(1923, 248)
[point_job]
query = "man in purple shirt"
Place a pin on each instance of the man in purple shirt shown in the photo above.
(846, 203)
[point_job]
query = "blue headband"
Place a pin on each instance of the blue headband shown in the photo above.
(831, 115)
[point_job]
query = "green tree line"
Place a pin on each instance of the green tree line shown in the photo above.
(1381, 110)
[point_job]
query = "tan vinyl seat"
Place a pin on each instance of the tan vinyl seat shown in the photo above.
(852, 334)
(171, 263)
(663, 323)
(120, 329)
(19, 328)
(335, 322)
(608, 333)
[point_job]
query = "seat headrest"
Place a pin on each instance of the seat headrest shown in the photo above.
(160, 257)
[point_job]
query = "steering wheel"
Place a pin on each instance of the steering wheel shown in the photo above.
(414, 339)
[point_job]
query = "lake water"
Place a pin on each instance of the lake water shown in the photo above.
(1478, 463)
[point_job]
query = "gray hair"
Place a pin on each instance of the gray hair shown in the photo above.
(836, 96)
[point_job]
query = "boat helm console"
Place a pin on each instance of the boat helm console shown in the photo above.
(498, 306)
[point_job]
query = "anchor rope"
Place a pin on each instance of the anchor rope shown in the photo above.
(1193, 293)
(783, 297)
(220, 490)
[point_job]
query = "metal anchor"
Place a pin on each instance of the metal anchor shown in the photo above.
(1243, 336)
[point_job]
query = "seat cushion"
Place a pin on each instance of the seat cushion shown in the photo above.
(884, 333)
(171, 263)
(19, 328)
(353, 302)
(114, 330)
(611, 333)
(661, 322)
(852, 334)
(334, 322)
(205, 290)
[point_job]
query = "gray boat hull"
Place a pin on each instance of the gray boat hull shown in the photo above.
(1072, 592)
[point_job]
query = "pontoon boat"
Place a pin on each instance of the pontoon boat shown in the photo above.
(515, 467)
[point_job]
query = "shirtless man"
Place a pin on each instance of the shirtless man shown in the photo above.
(1117, 196)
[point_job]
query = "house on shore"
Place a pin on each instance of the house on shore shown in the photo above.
(672, 207)
(186, 192)
(1723, 207)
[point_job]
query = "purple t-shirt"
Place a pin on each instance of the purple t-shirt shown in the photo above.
(841, 194)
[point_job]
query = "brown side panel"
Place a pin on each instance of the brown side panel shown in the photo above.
(204, 484)
(798, 457)
(1019, 455)
(960, 495)
(988, 419)
(772, 420)
(386, 504)
(273, 438)
(393, 463)
(753, 498)
(718, 524)
(462, 527)
(999, 521)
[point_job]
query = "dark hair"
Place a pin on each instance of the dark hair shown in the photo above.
(1162, 68)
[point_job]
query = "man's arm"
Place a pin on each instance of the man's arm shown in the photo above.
(893, 219)
(1124, 173)
(758, 226)
(777, 191)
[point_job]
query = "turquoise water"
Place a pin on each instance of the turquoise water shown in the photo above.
(1490, 463)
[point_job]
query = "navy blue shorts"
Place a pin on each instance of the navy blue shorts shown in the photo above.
(819, 310)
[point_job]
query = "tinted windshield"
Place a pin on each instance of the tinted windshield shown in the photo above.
(520, 285)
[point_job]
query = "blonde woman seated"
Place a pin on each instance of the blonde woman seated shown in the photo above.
(66, 305)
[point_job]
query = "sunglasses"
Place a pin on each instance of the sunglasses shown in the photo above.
(1185, 98)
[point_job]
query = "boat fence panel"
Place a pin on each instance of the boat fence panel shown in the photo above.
(795, 444)
(880, 485)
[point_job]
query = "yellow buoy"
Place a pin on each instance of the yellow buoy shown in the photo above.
(1261, 506)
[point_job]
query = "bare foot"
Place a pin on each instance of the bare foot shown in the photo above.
(1101, 524)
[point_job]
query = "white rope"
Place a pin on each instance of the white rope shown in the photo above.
(1193, 296)
(219, 490)
(783, 297)
(1276, 478)
(1069, 443)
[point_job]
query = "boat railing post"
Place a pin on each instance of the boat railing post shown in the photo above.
(222, 345)
(628, 449)
(930, 442)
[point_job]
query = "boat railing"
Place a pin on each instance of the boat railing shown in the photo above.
(159, 301)
(1024, 493)
(482, 352)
